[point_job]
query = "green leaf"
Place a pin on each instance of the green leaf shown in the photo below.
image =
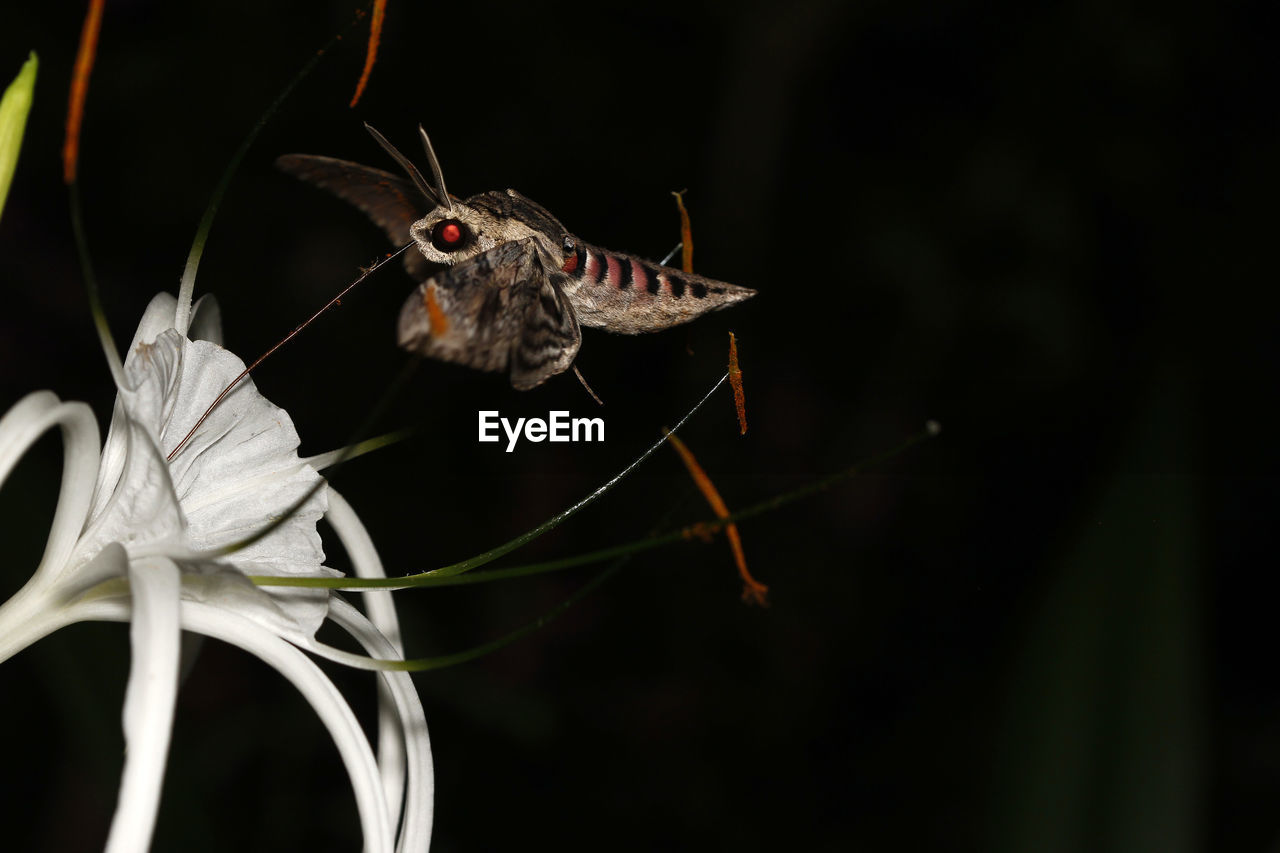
(14, 107)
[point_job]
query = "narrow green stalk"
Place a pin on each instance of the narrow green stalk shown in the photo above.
(323, 461)
(627, 549)
(424, 664)
(187, 287)
(91, 290)
(553, 522)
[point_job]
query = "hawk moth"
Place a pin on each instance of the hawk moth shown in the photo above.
(504, 286)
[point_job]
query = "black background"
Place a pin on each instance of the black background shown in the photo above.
(1046, 226)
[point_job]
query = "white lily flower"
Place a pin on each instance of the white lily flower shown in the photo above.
(138, 538)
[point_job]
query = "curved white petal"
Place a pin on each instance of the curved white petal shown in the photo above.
(359, 546)
(80, 457)
(402, 735)
(224, 586)
(411, 725)
(148, 703)
(16, 430)
(206, 320)
(20, 427)
(38, 610)
(151, 371)
(157, 318)
(323, 696)
(312, 683)
(382, 613)
(139, 509)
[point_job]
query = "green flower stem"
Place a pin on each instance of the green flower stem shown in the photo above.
(553, 522)
(187, 286)
(439, 578)
(323, 461)
(424, 664)
(91, 291)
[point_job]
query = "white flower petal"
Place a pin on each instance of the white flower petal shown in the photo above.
(293, 617)
(329, 704)
(241, 467)
(382, 614)
(355, 539)
(140, 511)
(37, 610)
(148, 705)
(206, 321)
(323, 696)
(408, 723)
(151, 371)
(241, 470)
(20, 427)
(157, 318)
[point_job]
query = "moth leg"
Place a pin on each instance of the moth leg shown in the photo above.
(582, 379)
(672, 253)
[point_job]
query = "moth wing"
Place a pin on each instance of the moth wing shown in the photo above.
(392, 202)
(503, 310)
(549, 337)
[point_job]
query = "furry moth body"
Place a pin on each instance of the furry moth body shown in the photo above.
(504, 286)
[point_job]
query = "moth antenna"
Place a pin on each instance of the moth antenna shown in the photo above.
(410, 169)
(582, 379)
(435, 167)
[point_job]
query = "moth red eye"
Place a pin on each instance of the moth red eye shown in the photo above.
(449, 235)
